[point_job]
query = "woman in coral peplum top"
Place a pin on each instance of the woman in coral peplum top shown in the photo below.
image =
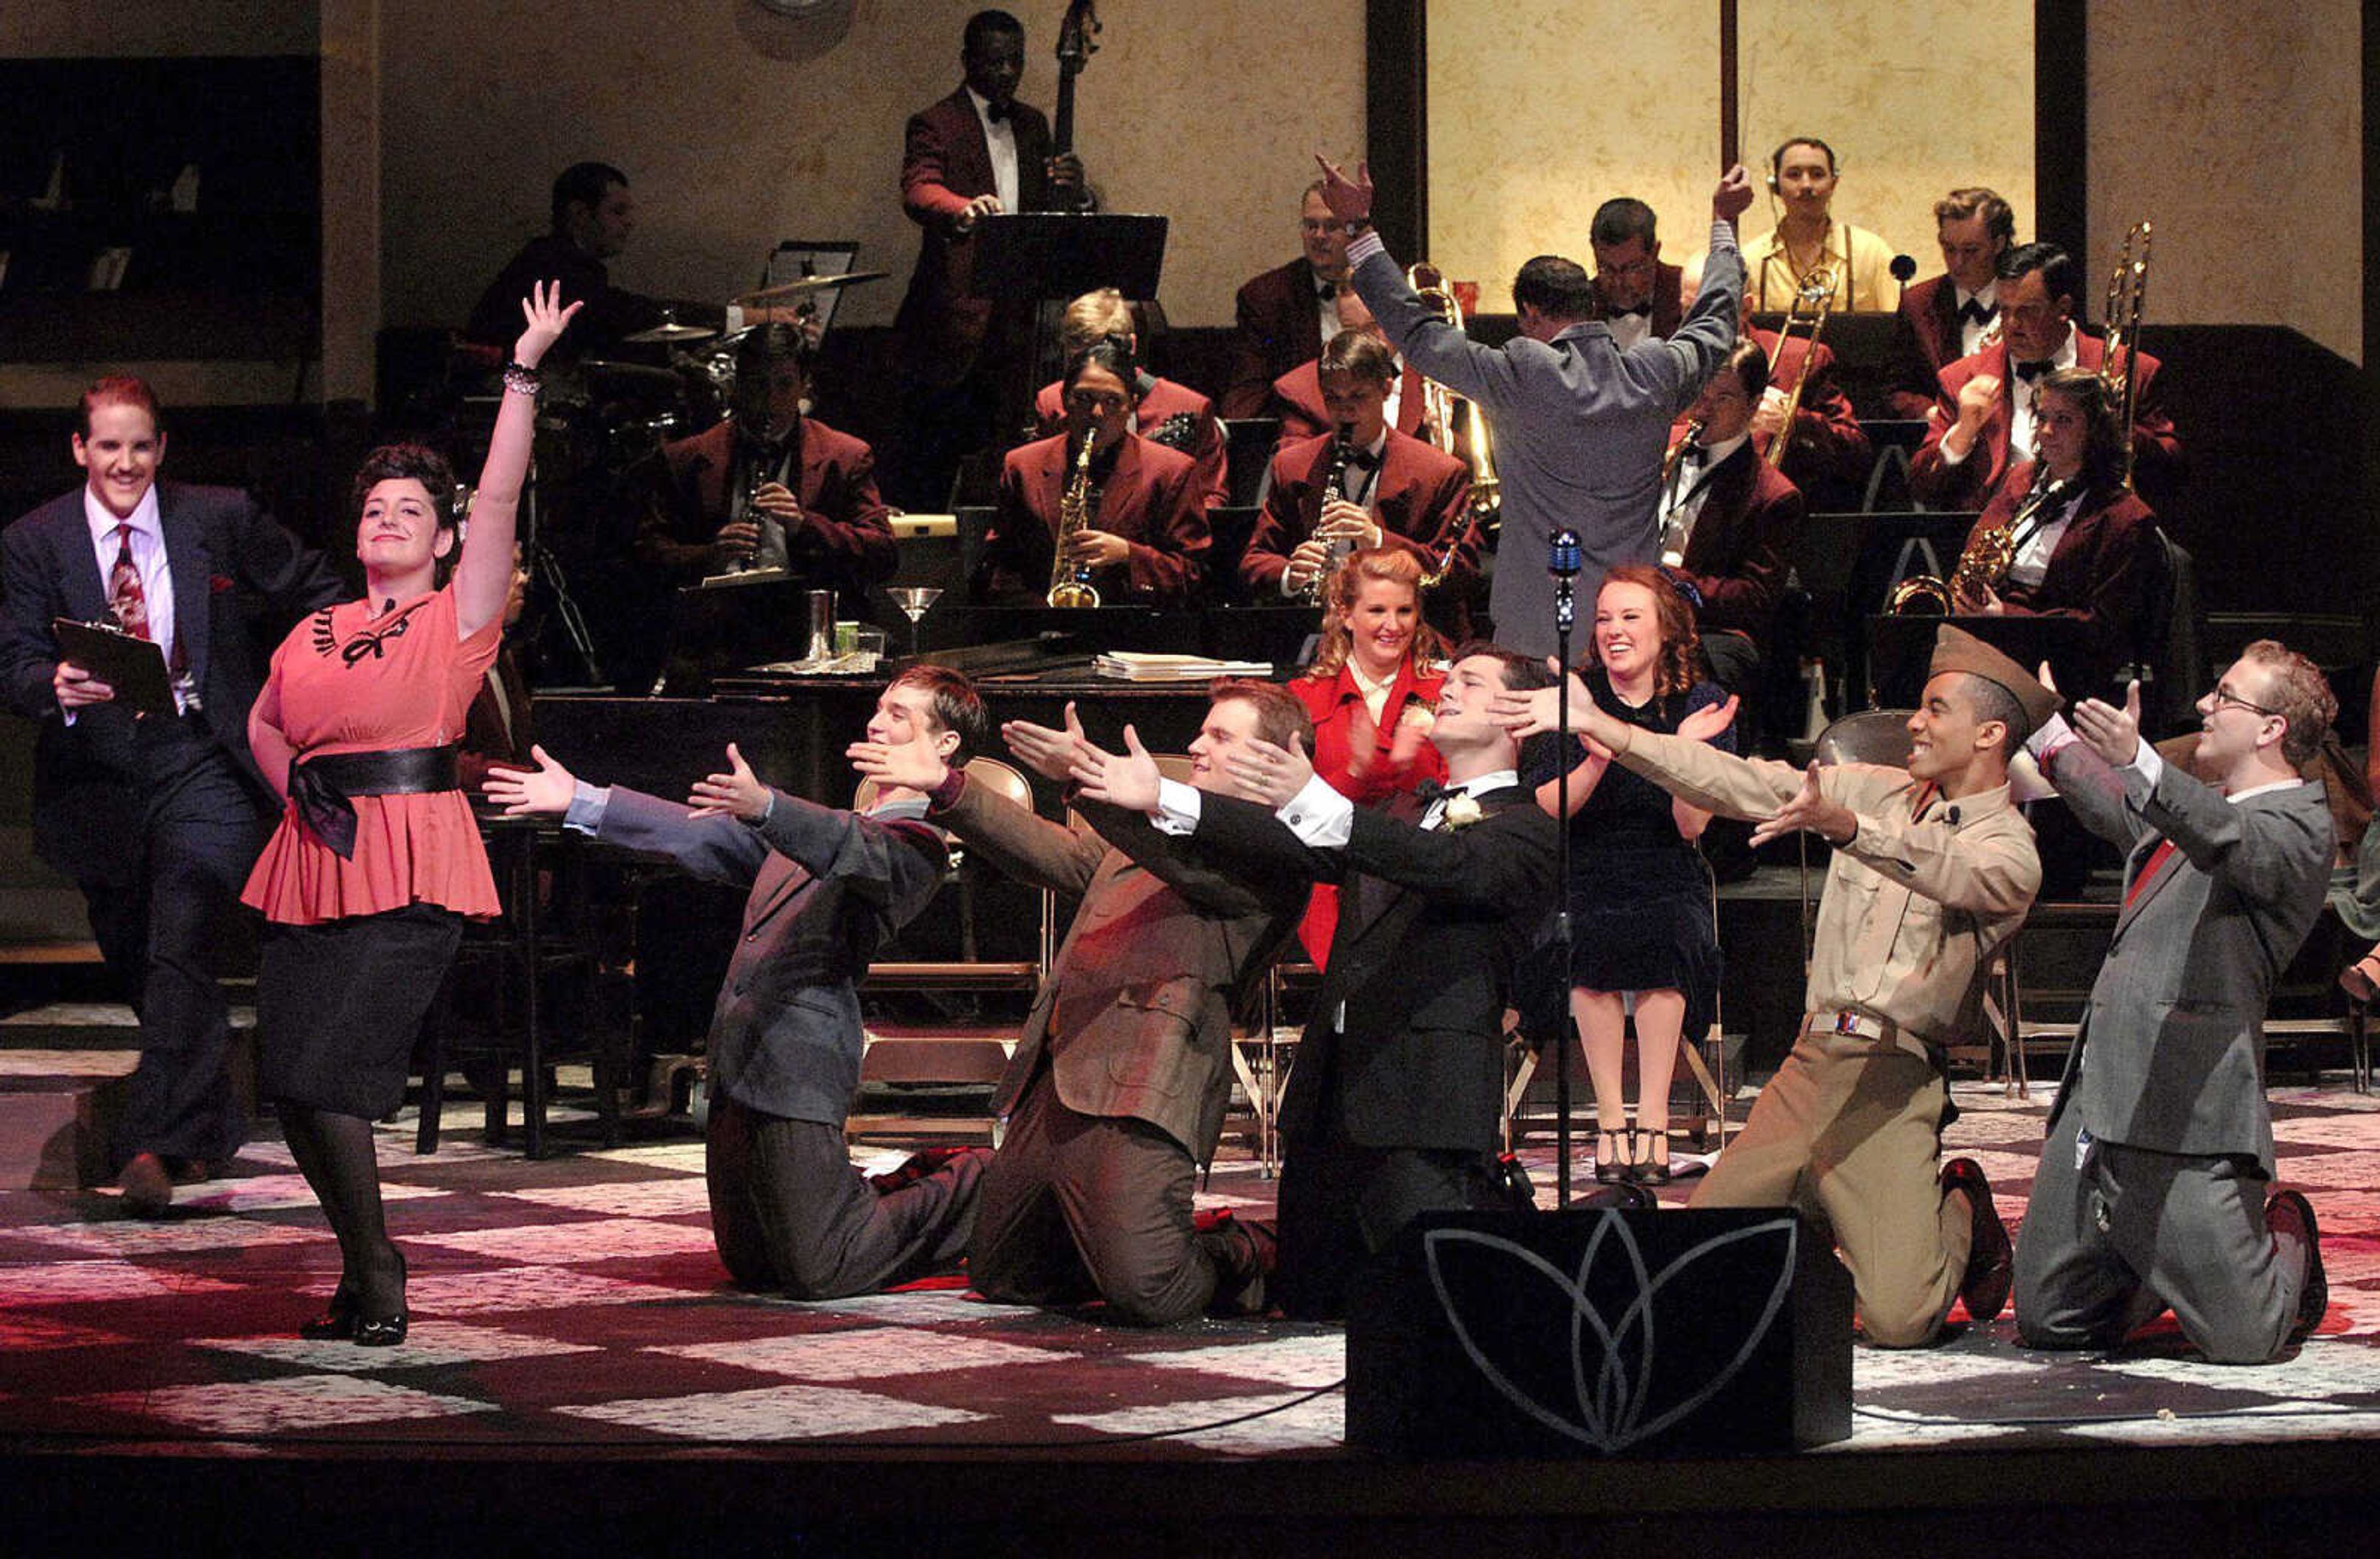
(1371, 691)
(377, 862)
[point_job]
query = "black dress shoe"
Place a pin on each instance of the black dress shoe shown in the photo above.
(1245, 1251)
(1648, 1170)
(2287, 1213)
(148, 1190)
(1611, 1169)
(1991, 1259)
(382, 1331)
(337, 1322)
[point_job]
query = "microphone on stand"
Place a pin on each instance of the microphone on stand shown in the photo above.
(1903, 268)
(1562, 562)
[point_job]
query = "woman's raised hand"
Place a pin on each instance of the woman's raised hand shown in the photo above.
(546, 315)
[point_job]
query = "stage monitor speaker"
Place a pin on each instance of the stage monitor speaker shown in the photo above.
(1599, 1333)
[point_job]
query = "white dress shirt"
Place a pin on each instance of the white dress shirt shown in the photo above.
(1970, 334)
(1318, 815)
(1000, 140)
(2032, 560)
(149, 559)
(1681, 501)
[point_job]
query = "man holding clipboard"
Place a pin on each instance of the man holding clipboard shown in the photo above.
(147, 796)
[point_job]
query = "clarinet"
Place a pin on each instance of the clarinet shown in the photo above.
(1334, 490)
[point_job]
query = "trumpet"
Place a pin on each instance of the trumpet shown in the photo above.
(1070, 583)
(2127, 291)
(1473, 448)
(1813, 301)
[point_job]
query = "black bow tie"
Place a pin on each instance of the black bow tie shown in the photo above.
(1692, 455)
(1364, 459)
(1975, 311)
(2029, 371)
(999, 112)
(1326, 291)
(1430, 790)
(1641, 311)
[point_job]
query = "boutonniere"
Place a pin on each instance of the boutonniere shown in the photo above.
(1462, 810)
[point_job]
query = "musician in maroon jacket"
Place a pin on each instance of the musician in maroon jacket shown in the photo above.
(1396, 492)
(1146, 538)
(2089, 551)
(1637, 296)
(768, 487)
(976, 153)
(1286, 314)
(1831, 453)
(1297, 396)
(1945, 318)
(1984, 417)
(1173, 415)
(1728, 523)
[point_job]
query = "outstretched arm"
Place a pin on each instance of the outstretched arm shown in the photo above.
(483, 577)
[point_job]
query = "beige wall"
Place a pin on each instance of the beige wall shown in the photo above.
(2237, 129)
(1537, 116)
(731, 150)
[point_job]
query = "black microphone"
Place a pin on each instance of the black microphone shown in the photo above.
(1903, 268)
(1562, 561)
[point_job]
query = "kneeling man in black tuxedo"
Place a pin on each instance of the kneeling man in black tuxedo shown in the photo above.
(788, 1211)
(1395, 1104)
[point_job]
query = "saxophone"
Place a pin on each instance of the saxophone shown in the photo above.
(1069, 584)
(1983, 562)
(1334, 490)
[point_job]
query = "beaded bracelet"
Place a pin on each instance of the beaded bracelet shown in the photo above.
(521, 377)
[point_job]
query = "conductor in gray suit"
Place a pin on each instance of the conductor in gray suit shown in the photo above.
(1580, 425)
(2151, 1191)
(788, 1211)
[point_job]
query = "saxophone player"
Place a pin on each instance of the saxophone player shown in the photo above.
(1394, 490)
(2080, 545)
(1145, 538)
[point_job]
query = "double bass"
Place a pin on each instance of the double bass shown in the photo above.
(1077, 41)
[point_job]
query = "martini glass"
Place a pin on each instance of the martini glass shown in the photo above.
(915, 601)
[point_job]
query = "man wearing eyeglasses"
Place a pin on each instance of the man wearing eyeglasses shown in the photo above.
(1637, 296)
(1288, 314)
(2152, 1192)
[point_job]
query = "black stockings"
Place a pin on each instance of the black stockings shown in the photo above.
(339, 1160)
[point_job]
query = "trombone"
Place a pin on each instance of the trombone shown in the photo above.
(1813, 301)
(2127, 290)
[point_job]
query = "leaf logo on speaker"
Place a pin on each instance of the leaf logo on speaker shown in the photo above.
(1615, 1363)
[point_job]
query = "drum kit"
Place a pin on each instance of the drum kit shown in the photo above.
(604, 417)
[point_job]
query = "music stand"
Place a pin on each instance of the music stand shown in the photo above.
(1025, 258)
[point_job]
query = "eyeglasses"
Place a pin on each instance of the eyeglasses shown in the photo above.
(2223, 695)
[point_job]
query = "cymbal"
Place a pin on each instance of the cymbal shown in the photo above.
(797, 287)
(671, 333)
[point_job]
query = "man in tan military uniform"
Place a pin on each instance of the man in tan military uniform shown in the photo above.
(1934, 870)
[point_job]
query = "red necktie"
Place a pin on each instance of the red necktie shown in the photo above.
(125, 597)
(2150, 868)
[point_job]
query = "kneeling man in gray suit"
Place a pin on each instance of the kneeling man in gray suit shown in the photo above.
(788, 1211)
(2151, 1192)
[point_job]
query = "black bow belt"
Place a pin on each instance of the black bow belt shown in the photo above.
(323, 786)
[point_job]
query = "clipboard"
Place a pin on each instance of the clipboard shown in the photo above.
(134, 666)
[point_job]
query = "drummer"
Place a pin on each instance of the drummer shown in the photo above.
(593, 217)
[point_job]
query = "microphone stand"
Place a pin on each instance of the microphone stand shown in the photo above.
(1563, 564)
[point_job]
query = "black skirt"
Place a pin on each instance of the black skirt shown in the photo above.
(338, 1006)
(1640, 920)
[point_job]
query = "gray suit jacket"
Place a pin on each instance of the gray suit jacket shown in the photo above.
(1135, 1015)
(828, 886)
(2171, 1055)
(1579, 428)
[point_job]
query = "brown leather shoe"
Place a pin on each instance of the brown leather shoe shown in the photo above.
(2290, 1216)
(148, 1190)
(2361, 979)
(1991, 1259)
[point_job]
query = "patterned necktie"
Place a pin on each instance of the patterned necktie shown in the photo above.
(124, 596)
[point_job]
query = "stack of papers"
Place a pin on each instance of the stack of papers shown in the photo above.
(1131, 666)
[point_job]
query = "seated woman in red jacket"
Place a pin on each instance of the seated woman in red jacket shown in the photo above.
(2087, 551)
(1146, 540)
(1173, 415)
(1370, 692)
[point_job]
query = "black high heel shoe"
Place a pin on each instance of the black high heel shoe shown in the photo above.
(1648, 1170)
(337, 1322)
(383, 1331)
(1611, 1169)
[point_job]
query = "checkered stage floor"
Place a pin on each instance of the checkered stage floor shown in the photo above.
(576, 1302)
